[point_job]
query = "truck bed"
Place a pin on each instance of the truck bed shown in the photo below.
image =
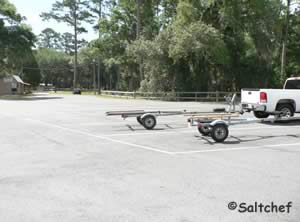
(274, 96)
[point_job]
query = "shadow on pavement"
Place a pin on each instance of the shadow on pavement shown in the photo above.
(295, 122)
(243, 139)
(29, 98)
(139, 128)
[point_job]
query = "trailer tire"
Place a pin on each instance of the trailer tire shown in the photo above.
(204, 130)
(287, 109)
(149, 122)
(219, 132)
(260, 114)
(139, 120)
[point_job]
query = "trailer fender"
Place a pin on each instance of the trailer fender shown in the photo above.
(148, 114)
(218, 121)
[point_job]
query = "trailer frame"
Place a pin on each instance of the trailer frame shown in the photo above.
(148, 119)
(217, 125)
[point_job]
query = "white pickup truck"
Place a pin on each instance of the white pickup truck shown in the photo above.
(265, 102)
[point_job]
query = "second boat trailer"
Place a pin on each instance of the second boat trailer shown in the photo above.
(148, 119)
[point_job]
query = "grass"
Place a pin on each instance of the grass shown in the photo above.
(66, 93)
(87, 93)
(90, 93)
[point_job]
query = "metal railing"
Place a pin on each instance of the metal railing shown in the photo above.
(173, 96)
(218, 96)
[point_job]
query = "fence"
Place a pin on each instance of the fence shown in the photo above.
(173, 96)
(218, 96)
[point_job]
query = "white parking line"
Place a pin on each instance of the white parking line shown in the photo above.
(153, 132)
(98, 136)
(148, 148)
(235, 149)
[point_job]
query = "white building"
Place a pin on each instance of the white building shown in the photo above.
(12, 85)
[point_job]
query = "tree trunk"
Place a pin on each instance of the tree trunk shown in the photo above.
(76, 47)
(138, 17)
(138, 35)
(99, 60)
(284, 42)
(94, 77)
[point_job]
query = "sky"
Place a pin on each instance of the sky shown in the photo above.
(32, 9)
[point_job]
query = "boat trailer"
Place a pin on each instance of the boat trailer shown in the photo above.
(217, 126)
(148, 119)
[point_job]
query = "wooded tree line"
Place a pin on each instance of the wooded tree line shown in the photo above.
(16, 42)
(162, 45)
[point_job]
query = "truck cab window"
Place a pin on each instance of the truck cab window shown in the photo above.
(292, 84)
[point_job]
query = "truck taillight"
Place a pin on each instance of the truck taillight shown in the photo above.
(263, 97)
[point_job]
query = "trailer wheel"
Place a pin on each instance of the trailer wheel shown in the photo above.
(139, 119)
(149, 122)
(286, 109)
(204, 130)
(219, 132)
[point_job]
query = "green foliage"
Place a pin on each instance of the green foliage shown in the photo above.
(199, 41)
(73, 13)
(181, 45)
(8, 12)
(31, 72)
(181, 56)
(157, 64)
(293, 53)
(198, 45)
(49, 39)
(16, 39)
(55, 67)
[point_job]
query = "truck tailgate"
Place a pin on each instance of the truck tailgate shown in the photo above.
(250, 96)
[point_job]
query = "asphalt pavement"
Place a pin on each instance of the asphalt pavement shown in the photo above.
(62, 159)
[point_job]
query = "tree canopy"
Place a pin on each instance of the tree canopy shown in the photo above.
(161, 45)
(16, 39)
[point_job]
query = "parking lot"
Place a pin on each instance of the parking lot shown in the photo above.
(62, 159)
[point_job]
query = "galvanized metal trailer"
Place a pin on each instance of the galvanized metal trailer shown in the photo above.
(217, 126)
(148, 119)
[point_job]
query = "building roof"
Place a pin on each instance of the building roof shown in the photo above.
(19, 80)
(9, 78)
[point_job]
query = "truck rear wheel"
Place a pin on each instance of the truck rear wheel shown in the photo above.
(286, 109)
(260, 114)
